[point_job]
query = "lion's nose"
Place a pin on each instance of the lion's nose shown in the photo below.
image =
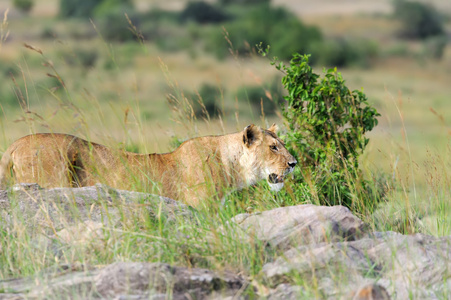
(292, 164)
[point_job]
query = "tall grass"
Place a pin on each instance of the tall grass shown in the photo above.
(4, 32)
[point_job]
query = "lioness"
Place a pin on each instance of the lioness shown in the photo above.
(199, 168)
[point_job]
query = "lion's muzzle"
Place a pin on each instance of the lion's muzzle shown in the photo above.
(275, 181)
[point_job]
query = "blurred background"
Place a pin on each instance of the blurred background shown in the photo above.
(146, 74)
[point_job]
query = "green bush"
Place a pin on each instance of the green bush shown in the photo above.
(156, 23)
(78, 8)
(23, 5)
(344, 52)
(206, 101)
(48, 33)
(258, 96)
(418, 20)
(106, 6)
(203, 13)
(86, 57)
(266, 25)
(245, 2)
(327, 123)
(114, 26)
(435, 46)
(88, 8)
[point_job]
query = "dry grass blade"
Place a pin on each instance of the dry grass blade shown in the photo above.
(4, 32)
(28, 46)
(134, 29)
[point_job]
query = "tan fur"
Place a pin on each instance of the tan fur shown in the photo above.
(200, 168)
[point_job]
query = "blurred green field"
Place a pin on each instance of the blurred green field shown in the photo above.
(116, 93)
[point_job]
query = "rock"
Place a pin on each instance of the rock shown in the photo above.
(287, 292)
(129, 281)
(88, 218)
(371, 292)
(88, 233)
(319, 260)
(55, 283)
(286, 227)
(57, 208)
(135, 278)
(406, 266)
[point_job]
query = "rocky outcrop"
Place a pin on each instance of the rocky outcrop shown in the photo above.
(127, 281)
(59, 208)
(331, 248)
(406, 266)
(314, 252)
(157, 278)
(285, 227)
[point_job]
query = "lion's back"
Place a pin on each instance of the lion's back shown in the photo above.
(43, 158)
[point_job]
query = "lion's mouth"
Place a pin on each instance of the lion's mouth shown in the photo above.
(274, 178)
(275, 182)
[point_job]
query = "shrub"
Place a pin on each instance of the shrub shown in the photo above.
(435, 46)
(48, 33)
(87, 58)
(345, 52)
(89, 8)
(206, 101)
(265, 25)
(203, 13)
(245, 2)
(418, 20)
(106, 6)
(114, 25)
(23, 5)
(258, 96)
(291, 36)
(77, 8)
(327, 124)
(157, 23)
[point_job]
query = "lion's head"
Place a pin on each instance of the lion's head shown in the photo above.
(265, 157)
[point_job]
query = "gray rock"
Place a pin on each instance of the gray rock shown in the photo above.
(84, 235)
(406, 266)
(286, 227)
(57, 208)
(127, 281)
(370, 291)
(134, 278)
(67, 281)
(288, 292)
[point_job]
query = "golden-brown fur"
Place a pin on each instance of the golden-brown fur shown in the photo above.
(200, 168)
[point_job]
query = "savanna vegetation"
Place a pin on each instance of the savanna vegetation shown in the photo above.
(366, 114)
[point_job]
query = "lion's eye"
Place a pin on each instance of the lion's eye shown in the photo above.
(273, 148)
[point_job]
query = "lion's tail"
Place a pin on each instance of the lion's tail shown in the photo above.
(5, 167)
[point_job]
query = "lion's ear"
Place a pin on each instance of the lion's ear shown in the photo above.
(251, 134)
(274, 128)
